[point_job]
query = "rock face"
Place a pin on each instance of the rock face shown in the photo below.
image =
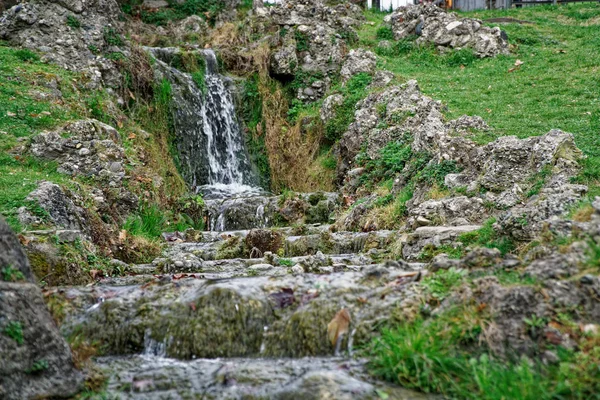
(60, 209)
(446, 30)
(86, 147)
(35, 360)
(523, 179)
(68, 33)
(313, 38)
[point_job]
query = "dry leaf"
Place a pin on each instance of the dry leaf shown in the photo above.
(131, 136)
(518, 63)
(122, 235)
(338, 326)
(10, 114)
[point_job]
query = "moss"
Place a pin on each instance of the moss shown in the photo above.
(233, 247)
(303, 334)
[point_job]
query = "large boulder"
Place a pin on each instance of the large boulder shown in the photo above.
(35, 361)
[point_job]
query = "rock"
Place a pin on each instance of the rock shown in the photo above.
(141, 378)
(42, 26)
(85, 147)
(358, 61)
(433, 237)
(328, 109)
(61, 210)
(36, 361)
(448, 210)
(11, 253)
(264, 240)
(314, 41)
(284, 61)
(556, 267)
(446, 29)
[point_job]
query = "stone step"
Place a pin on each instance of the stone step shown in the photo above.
(217, 236)
(193, 254)
(266, 316)
(154, 378)
(433, 237)
(267, 211)
(235, 267)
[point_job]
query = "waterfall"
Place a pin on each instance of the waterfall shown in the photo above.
(208, 138)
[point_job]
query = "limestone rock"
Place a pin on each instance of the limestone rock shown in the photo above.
(446, 29)
(358, 61)
(42, 25)
(85, 147)
(35, 360)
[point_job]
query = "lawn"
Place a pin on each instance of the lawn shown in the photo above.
(556, 87)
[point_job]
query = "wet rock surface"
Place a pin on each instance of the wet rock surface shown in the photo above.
(306, 378)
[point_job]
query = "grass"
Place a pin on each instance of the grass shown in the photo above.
(431, 356)
(556, 87)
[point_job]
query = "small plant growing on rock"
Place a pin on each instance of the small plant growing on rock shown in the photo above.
(37, 367)
(14, 330)
(10, 274)
(73, 22)
(112, 38)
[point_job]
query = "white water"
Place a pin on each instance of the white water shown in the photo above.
(224, 144)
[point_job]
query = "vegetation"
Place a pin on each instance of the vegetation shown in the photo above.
(14, 330)
(431, 356)
(177, 10)
(529, 101)
(10, 274)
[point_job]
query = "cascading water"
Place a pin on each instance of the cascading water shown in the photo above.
(209, 141)
(228, 163)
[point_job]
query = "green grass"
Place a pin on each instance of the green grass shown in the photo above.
(431, 356)
(558, 85)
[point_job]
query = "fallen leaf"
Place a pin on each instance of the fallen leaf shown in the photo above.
(518, 63)
(362, 300)
(122, 235)
(131, 136)
(338, 326)
(10, 114)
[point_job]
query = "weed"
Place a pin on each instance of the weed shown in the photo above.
(441, 284)
(286, 262)
(149, 222)
(302, 41)
(14, 330)
(10, 274)
(385, 33)
(353, 92)
(73, 22)
(37, 367)
(112, 37)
